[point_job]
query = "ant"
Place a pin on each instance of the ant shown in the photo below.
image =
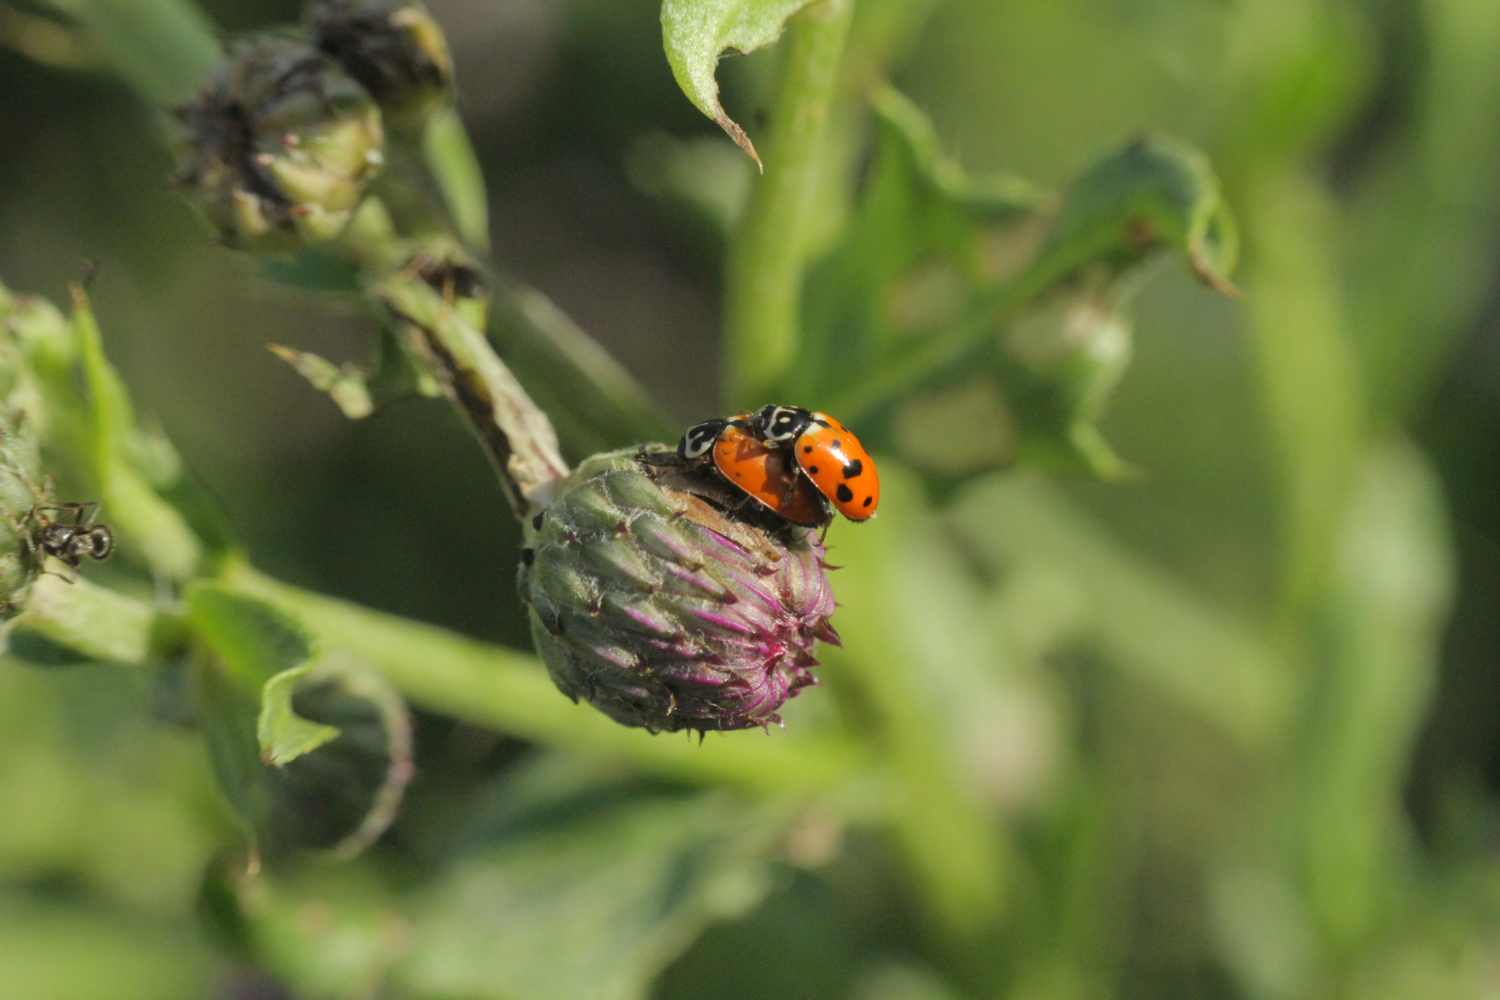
(68, 540)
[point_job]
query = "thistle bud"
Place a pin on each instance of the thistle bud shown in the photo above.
(393, 47)
(279, 146)
(667, 602)
(20, 462)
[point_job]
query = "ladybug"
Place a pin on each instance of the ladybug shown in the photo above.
(832, 458)
(762, 470)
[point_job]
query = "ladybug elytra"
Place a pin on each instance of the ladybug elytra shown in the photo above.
(763, 453)
(831, 457)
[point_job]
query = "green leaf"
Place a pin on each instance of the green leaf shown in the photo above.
(93, 621)
(1154, 192)
(162, 48)
(312, 752)
(283, 734)
(342, 794)
(952, 289)
(253, 638)
(591, 906)
(344, 954)
(696, 32)
(56, 951)
(346, 384)
(140, 515)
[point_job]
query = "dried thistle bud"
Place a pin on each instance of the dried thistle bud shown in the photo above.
(663, 599)
(279, 146)
(393, 47)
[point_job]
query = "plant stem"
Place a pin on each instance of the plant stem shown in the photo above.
(514, 432)
(509, 691)
(594, 402)
(1308, 379)
(769, 253)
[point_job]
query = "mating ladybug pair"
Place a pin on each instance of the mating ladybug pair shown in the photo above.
(790, 459)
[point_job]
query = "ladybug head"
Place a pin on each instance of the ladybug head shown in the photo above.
(780, 424)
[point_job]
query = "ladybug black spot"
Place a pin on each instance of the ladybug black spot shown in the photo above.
(807, 449)
(812, 470)
(854, 468)
(868, 501)
(844, 494)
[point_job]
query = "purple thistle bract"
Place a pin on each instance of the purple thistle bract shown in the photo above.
(664, 598)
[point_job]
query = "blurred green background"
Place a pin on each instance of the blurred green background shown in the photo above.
(1317, 468)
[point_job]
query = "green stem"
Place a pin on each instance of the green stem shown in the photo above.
(595, 403)
(769, 253)
(1308, 378)
(514, 432)
(487, 685)
(456, 170)
(509, 691)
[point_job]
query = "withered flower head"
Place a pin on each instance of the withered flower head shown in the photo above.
(393, 47)
(661, 597)
(279, 146)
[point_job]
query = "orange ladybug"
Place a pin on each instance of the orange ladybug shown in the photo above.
(762, 470)
(827, 453)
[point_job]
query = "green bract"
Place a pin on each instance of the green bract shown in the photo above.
(394, 48)
(655, 594)
(279, 146)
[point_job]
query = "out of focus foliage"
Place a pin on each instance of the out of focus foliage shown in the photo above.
(1170, 667)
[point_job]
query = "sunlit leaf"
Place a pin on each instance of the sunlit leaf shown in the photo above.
(696, 32)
